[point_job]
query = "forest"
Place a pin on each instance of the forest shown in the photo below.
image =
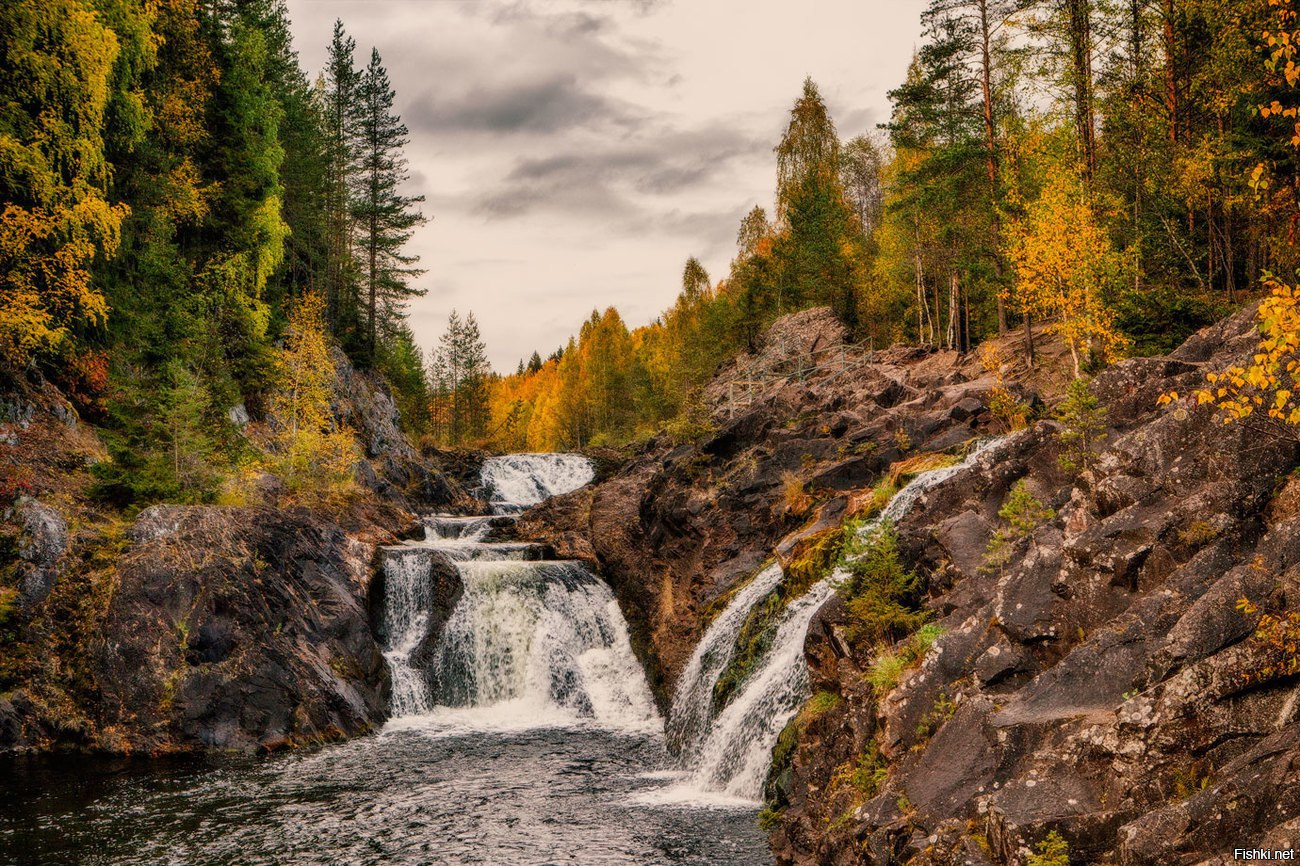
(194, 227)
(1124, 172)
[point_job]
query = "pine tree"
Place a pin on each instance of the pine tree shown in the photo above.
(459, 375)
(337, 94)
(817, 253)
(384, 216)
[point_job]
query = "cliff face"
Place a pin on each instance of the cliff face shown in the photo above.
(192, 627)
(680, 525)
(1100, 682)
(1093, 678)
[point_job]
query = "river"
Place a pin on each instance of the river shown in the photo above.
(523, 733)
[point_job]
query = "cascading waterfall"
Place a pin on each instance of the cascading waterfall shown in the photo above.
(515, 482)
(541, 636)
(407, 602)
(529, 641)
(729, 751)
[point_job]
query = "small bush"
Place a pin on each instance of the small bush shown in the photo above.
(1280, 635)
(1013, 414)
(1083, 421)
(1052, 851)
(1198, 533)
(931, 722)
(864, 775)
(1023, 513)
(880, 595)
(794, 495)
(887, 670)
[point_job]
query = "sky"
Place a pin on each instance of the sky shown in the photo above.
(574, 153)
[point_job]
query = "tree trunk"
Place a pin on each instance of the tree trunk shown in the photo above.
(991, 145)
(1079, 23)
(1172, 101)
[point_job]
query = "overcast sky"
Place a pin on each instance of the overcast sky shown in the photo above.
(574, 153)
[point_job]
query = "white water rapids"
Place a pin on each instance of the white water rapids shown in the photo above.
(534, 643)
(725, 755)
(528, 642)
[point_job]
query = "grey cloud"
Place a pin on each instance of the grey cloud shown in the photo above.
(601, 181)
(558, 104)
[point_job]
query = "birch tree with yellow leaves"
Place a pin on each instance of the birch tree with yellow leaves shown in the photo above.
(53, 174)
(1065, 263)
(1266, 389)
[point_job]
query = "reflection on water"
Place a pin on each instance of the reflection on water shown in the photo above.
(414, 795)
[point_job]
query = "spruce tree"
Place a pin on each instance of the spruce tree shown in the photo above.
(384, 216)
(337, 96)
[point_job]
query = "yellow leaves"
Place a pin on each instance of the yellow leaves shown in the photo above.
(45, 285)
(1270, 381)
(1064, 260)
(63, 56)
(312, 451)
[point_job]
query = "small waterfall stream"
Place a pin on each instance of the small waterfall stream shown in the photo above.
(529, 641)
(728, 752)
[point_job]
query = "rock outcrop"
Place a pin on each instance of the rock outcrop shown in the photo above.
(1096, 679)
(243, 629)
(192, 627)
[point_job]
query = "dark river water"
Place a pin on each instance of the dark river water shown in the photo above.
(409, 796)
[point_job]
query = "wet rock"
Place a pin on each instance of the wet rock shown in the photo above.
(42, 543)
(240, 628)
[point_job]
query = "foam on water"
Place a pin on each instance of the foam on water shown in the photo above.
(530, 643)
(727, 752)
(517, 481)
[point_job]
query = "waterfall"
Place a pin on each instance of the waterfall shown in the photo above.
(529, 641)
(408, 600)
(539, 637)
(514, 482)
(729, 751)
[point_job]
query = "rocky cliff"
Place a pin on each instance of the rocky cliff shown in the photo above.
(193, 627)
(1094, 692)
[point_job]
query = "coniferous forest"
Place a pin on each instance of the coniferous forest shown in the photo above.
(189, 220)
(176, 184)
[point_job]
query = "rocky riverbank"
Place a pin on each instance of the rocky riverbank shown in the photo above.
(190, 628)
(1094, 688)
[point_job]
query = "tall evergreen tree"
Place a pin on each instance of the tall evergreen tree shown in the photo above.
(385, 217)
(816, 252)
(338, 95)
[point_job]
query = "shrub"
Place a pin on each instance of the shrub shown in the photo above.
(887, 670)
(794, 495)
(880, 595)
(1083, 421)
(1023, 513)
(1280, 635)
(1198, 533)
(931, 722)
(1052, 851)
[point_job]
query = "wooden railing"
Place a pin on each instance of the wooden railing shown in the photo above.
(839, 360)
